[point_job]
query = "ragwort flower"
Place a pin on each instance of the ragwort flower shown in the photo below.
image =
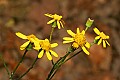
(31, 38)
(78, 40)
(101, 37)
(44, 46)
(57, 19)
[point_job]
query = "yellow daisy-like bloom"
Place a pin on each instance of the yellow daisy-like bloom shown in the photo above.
(78, 39)
(101, 37)
(45, 47)
(56, 18)
(31, 38)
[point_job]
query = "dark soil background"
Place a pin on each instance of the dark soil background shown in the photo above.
(27, 16)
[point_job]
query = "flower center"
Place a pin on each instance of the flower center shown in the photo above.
(103, 36)
(45, 45)
(80, 39)
(31, 37)
(57, 17)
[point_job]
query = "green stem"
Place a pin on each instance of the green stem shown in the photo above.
(61, 63)
(5, 64)
(50, 41)
(53, 68)
(29, 68)
(56, 66)
(73, 56)
(51, 34)
(53, 74)
(18, 64)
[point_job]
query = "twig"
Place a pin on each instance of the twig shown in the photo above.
(4, 64)
(28, 69)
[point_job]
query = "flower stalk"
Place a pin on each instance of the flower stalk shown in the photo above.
(59, 63)
(12, 74)
(51, 33)
(29, 68)
(8, 72)
(26, 50)
(50, 41)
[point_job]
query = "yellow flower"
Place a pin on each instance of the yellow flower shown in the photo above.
(101, 37)
(56, 18)
(31, 38)
(45, 47)
(78, 40)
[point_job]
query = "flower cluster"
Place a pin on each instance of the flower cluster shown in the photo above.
(43, 46)
(77, 39)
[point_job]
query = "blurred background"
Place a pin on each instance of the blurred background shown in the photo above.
(27, 17)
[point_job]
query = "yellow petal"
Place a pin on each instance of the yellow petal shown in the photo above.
(54, 53)
(78, 30)
(58, 24)
(48, 55)
(49, 15)
(61, 24)
(68, 39)
(40, 54)
(107, 43)
(51, 21)
(71, 33)
(46, 40)
(54, 45)
(20, 35)
(87, 45)
(40, 41)
(96, 31)
(32, 40)
(62, 21)
(99, 41)
(104, 44)
(75, 45)
(97, 37)
(22, 47)
(36, 39)
(36, 43)
(37, 46)
(83, 32)
(107, 37)
(85, 50)
(67, 42)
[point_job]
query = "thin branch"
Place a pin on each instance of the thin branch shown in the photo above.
(50, 41)
(19, 63)
(5, 64)
(61, 63)
(28, 69)
(73, 55)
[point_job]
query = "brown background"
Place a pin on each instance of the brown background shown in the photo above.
(27, 16)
